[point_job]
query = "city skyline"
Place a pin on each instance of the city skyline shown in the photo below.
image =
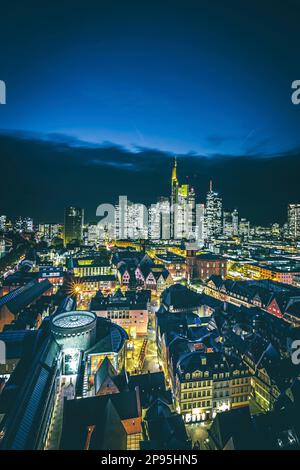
(173, 218)
(77, 173)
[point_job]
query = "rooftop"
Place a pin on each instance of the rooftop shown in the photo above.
(74, 319)
(23, 296)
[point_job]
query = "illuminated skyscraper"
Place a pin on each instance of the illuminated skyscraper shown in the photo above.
(235, 222)
(131, 220)
(200, 234)
(294, 221)
(182, 208)
(2, 247)
(24, 224)
(2, 222)
(227, 224)
(185, 213)
(244, 228)
(137, 221)
(49, 231)
(174, 196)
(231, 223)
(174, 183)
(93, 234)
(213, 214)
(159, 220)
(73, 224)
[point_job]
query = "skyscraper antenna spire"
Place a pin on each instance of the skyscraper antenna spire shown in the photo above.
(174, 171)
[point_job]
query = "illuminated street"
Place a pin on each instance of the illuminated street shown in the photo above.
(151, 360)
(198, 433)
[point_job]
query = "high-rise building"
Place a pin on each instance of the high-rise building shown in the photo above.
(93, 235)
(231, 223)
(120, 222)
(159, 220)
(213, 214)
(2, 247)
(227, 224)
(137, 221)
(294, 221)
(24, 224)
(2, 223)
(244, 228)
(200, 234)
(185, 215)
(276, 230)
(49, 231)
(174, 184)
(18, 225)
(131, 220)
(235, 223)
(182, 208)
(73, 224)
(174, 196)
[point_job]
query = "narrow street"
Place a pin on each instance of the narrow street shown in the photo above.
(197, 432)
(56, 420)
(151, 360)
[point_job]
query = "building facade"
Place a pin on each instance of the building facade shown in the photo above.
(73, 225)
(207, 384)
(213, 214)
(202, 267)
(129, 310)
(294, 221)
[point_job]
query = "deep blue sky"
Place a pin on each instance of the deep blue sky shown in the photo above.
(201, 76)
(205, 77)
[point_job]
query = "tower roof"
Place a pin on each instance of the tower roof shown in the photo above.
(174, 171)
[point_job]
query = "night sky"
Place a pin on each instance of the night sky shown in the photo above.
(102, 94)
